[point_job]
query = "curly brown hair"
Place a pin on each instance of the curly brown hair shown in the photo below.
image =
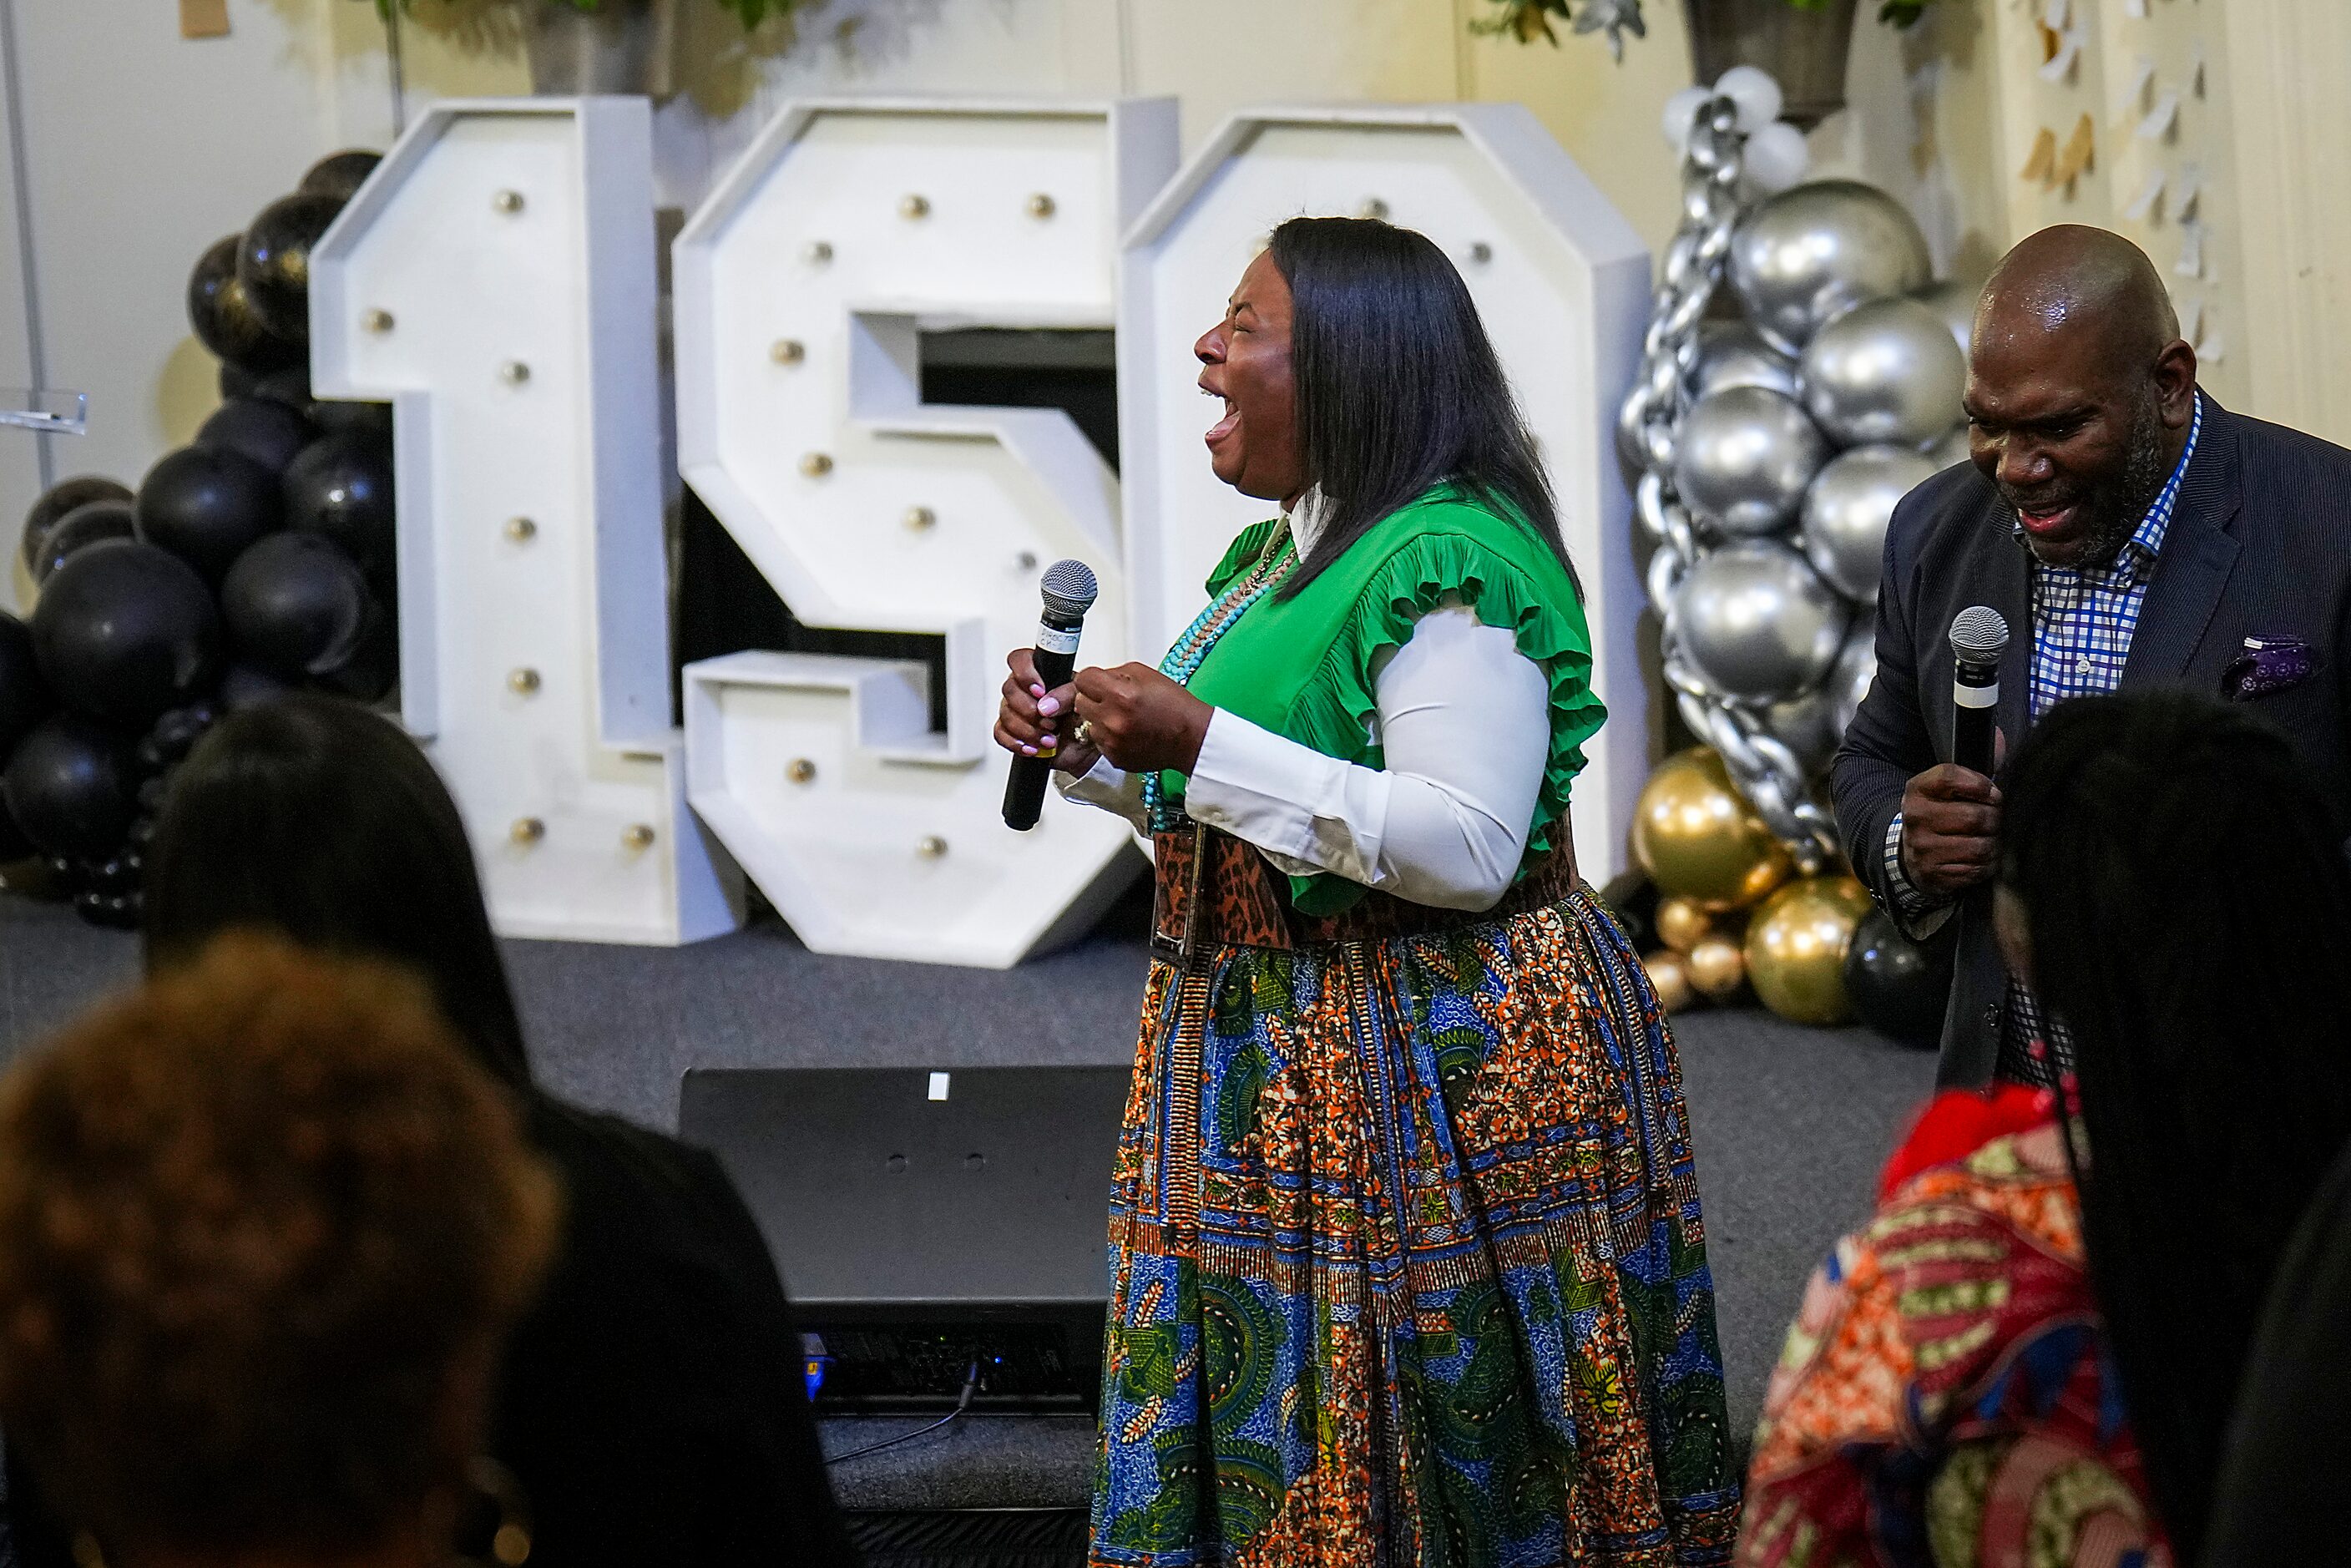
(263, 1228)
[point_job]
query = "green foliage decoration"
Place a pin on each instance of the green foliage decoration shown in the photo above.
(1528, 20)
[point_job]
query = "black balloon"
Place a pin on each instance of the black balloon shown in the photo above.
(125, 632)
(1899, 986)
(225, 320)
(340, 486)
(374, 668)
(267, 431)
(273, 265)
(14, 847)
(290, 386)
(67, 787)
(176, 732)
(171, 736)
(235, 380)
(247, 686)
(349, 416)
(60, 498)
(341, 175)
(24, 698)
(295, 605)
(98, 523)
(207, 506)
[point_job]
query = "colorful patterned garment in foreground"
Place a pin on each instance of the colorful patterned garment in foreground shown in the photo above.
(1944, 1397)
(1408, 1266)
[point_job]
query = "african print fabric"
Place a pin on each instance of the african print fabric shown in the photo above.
(1407, 1263)
(1944, 1397)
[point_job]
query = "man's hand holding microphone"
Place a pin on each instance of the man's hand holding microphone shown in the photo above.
(1951, 813)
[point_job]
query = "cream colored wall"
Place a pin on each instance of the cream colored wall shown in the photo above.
(2184, 48)
(2288, 59)
(141, 149)
(20, 469)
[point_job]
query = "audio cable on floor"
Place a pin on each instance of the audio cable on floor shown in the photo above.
(962, 1403)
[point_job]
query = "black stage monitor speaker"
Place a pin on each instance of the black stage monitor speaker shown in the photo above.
(928, 1222)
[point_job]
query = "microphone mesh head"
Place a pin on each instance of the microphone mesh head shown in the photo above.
(1979, 634)
(1070, 589)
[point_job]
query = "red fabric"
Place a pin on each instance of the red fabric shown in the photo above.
(1958, 1122)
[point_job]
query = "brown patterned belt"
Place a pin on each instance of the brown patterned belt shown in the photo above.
(1216, 890)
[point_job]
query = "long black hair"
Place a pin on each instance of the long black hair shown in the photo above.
(317, 819)
(1398, 386)
(2189, 916)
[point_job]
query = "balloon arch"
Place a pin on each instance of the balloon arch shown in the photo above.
(1772, 445)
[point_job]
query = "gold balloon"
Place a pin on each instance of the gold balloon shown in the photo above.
(1700, 839)
(1795, 948)
(1716, 968)
(1681, 923)
(1669, 978)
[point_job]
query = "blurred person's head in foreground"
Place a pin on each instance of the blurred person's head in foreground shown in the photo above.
(264, 1226)
(2173, 886)
(322, 820)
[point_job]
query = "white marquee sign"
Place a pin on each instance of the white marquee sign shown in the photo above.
(847, 229)
(496, 279)
(1560, 277)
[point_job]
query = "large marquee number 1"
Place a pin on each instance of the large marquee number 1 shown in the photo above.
(494, 279)
(804, 286)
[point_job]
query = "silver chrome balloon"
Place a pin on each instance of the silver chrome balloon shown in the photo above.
(1856, 668)
(1758, 622)
(1746, 454)
(1809, 254)
(1768, 773)
(1846, 511)
(1886, 370)
(1807, 726)
(1953, 301)
(1726, 354)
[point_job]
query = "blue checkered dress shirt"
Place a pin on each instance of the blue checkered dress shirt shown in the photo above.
(2082, 620)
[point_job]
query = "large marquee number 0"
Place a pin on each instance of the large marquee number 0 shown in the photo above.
(1560, 279)
(494, 280)
(804, 286)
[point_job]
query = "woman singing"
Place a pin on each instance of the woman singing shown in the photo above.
(1407, 1261)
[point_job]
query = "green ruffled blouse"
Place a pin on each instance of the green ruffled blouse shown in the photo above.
(1302, 667)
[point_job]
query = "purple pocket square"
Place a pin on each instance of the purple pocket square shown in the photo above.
(2267, 665)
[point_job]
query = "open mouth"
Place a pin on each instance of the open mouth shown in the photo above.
(1227, 424)
(2048, 521)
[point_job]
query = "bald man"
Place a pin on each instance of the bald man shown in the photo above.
(2133, 534)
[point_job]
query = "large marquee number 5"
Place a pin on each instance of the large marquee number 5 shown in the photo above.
(494, 279)
(803, 287)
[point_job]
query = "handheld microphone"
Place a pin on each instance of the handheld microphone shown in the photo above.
(1069, 591)
(1978, 638)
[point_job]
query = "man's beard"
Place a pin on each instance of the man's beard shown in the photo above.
(2112, 513)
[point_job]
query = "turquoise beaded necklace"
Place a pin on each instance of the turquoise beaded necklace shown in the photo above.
(1191, 649)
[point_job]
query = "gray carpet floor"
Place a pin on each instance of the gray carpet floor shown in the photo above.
(1791, 1124)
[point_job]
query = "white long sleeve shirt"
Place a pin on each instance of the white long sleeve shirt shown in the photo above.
(1463, 719)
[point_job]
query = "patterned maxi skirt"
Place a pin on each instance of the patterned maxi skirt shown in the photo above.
(1407, 1263)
